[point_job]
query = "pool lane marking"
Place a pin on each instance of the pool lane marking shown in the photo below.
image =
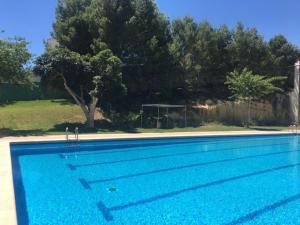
(244, 148)
(109, 149)
(84, 183)
(106, 211)
(89, 183)
(266, 209)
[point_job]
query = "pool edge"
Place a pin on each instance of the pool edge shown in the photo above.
(94, 137)
(8, 214)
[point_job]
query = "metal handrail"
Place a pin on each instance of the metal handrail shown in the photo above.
(67, 134)
(76, 135)
(293, 129)
(70, 141)
(76, 132)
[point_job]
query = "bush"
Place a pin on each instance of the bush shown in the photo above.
(125, 120)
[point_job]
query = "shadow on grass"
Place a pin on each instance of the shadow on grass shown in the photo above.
(58, 101)
(5, 132)
(63, 101)
(100, 126)
(266, 129)
(2, 104)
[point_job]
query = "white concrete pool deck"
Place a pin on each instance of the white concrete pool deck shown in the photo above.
(7, 197)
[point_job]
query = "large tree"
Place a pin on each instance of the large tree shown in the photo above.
(14, 61)
(81, 61)
(148, 48)
(282, 58)
(201, 54)
(134, 30)
(185, 54)
(86, 78)
(248, 49)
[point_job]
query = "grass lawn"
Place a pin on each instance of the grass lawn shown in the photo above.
(52, 116)
(40, 116)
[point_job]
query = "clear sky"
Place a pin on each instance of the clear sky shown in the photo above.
(33, 19)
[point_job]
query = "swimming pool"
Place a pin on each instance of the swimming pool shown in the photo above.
(168, 181)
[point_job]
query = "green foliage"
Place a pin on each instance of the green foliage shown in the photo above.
(14, 60)
(283, 55)
(246, 85)
(148, 58)
(71, 25)
(60, 61)
(201, 53)
(248, 49)
(161, 61)
(106, 69)
(87, 76)
(136, 32)
(204, 55)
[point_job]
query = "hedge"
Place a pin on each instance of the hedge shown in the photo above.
(21, 92)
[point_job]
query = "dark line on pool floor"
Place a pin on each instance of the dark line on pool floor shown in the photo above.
(109, 149)
(185, 167)
(264, 210)
(71, 167)
(106, 211)
(84, 184)
(74, 166)
(106, 149)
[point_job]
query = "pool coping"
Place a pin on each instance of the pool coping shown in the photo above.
(8, 214)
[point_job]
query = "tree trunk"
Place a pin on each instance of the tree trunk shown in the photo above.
(89, 112)
(249, 113)
(90, 118)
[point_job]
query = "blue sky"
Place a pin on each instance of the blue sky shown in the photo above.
(33, 19)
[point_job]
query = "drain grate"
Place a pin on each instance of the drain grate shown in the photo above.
(112, 189)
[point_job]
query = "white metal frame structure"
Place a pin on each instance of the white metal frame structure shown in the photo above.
(166, 106)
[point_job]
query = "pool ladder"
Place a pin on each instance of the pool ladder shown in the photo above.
(72, 142)
(293, 129)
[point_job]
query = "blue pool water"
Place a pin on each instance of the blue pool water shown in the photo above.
(174, 181)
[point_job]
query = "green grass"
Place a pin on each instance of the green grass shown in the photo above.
(37, 116)
(52, 116)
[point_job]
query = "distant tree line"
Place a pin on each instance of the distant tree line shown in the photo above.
(118, 54)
